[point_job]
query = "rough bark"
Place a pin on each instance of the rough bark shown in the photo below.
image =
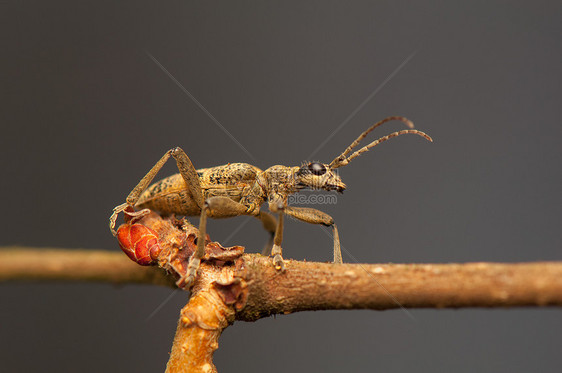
(320, 286)
(46, 264)
(234, 286)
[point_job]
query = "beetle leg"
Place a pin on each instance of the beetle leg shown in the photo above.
(189, 175)
(215, 207)
(313, 216)
(113, 217)
(269, 224)
(223, 207)
(188, 279)
(187, 171)
(276, 250)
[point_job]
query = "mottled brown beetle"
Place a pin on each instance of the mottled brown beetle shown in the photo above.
(240, 189)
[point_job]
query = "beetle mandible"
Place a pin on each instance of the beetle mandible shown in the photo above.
(240, 189)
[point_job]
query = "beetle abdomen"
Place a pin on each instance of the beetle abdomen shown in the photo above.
(170, 196)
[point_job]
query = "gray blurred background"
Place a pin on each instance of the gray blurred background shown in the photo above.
(86, 112)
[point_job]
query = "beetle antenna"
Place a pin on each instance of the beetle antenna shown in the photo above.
(346, 160)
(339, 159)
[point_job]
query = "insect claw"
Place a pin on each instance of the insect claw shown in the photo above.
(277, 258)
(185, 282)
(113, 217)
(132, 216)
(278, 263)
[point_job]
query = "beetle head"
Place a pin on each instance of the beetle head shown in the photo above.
(316, 175)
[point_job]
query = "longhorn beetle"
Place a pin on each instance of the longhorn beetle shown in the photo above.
(240, 189)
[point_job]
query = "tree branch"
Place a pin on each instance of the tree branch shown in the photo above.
(37, 264)
(319, 286)
(234, 286)
(315, 286)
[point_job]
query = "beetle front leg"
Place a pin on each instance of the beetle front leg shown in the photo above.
(269, 224)
(277, 251)
(313, 216)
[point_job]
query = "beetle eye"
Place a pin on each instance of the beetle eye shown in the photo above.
(317, 168)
